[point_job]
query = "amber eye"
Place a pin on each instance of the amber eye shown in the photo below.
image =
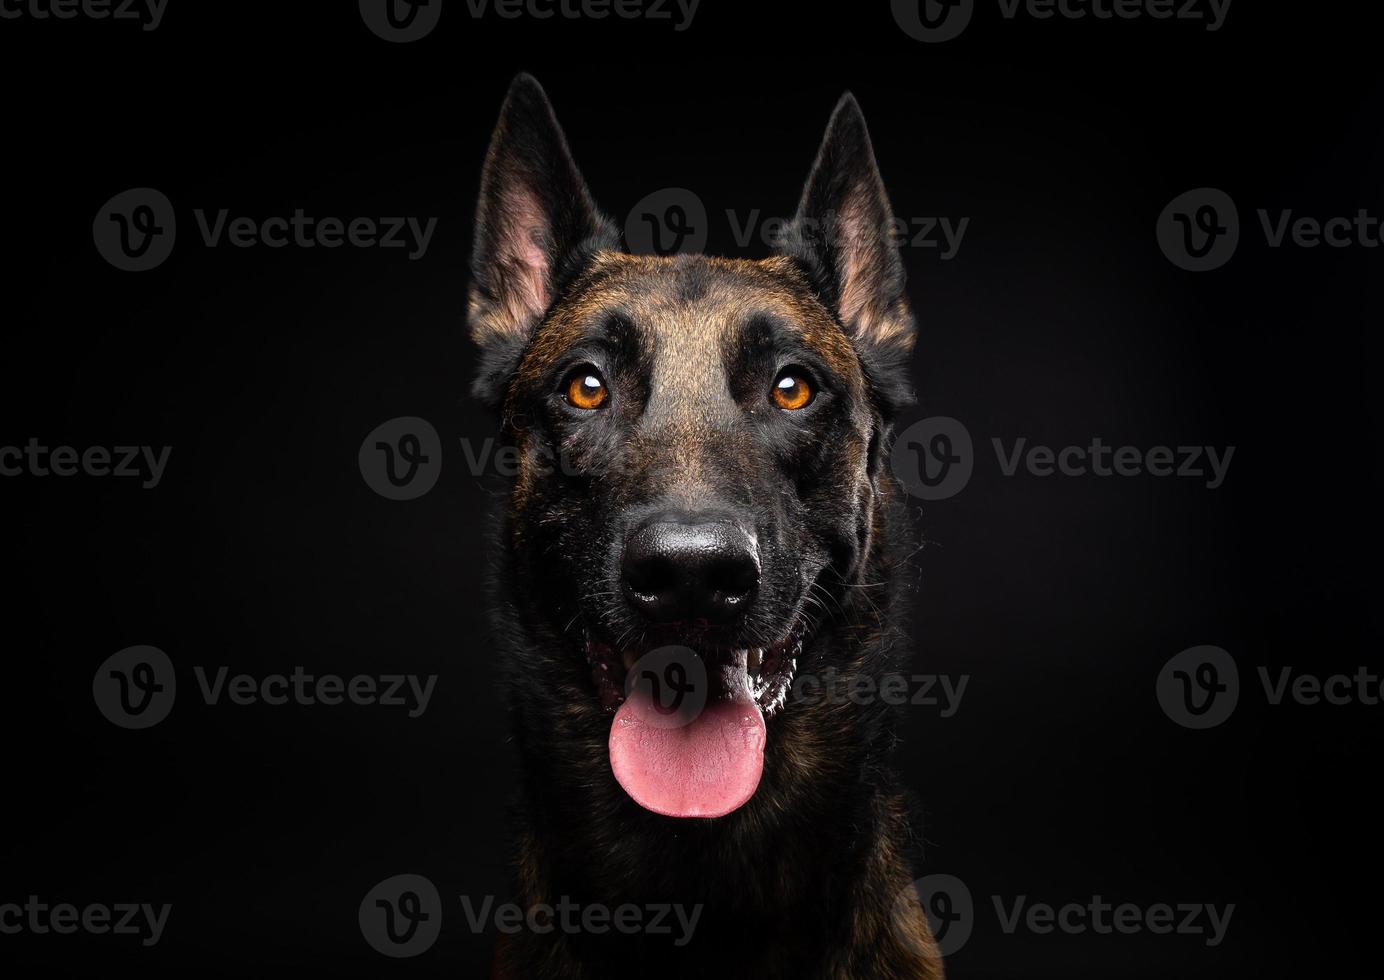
(792, 390)
(585, 389)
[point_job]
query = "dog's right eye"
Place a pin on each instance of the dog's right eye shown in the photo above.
(792, 390)
(585, 389)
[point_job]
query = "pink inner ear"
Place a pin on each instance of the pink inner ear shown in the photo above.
(523, 256)
(857, 252)
(863, 308)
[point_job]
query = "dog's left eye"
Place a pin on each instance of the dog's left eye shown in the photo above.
(792, 390)
(585, 389)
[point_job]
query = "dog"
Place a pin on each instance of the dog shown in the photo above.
(702, 512)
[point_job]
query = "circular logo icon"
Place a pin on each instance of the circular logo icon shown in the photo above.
(674, 680)
(1200, 687)
(934, 458)
(135, 230)
(671, 221)
(135, 687)
(933, 20)
(400, 21)
(1199, 230)
(401, 459)
(401, 916)
(946, 901)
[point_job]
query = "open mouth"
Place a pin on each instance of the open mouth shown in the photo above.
(764, 674)
(688, 733)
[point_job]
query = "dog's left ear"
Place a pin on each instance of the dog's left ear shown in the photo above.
(536, 228)
(844, 237)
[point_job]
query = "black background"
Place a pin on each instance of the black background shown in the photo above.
(1059, 320)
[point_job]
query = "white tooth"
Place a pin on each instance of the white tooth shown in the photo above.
(629, 658)
(756, 657)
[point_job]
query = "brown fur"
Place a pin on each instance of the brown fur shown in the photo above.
(811, 877)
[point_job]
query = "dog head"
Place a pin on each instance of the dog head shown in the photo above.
(700, 444)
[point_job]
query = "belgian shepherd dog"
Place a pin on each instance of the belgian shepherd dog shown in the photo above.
(702, 512)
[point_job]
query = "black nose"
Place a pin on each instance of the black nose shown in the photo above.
(685, 571)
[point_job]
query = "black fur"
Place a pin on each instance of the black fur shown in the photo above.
(811, 877)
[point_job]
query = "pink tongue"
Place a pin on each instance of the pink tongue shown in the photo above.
(705, 767)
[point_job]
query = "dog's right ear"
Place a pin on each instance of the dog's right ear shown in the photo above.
(536, 228)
